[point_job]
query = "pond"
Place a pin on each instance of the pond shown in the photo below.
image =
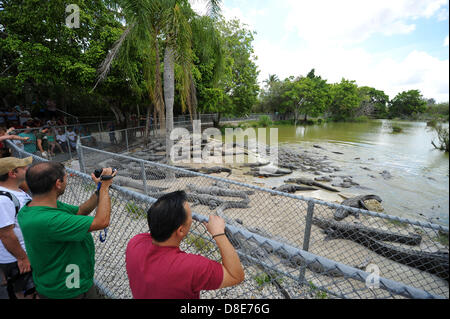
(419, 187)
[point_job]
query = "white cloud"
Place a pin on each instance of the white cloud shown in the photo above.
(418, 70)
(446, 41)
(329, 43)
(443, 14)
(199, 6)
(353, 21)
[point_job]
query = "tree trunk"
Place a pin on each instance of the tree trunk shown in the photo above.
(169, 95)
(216, 122)
(158, 94)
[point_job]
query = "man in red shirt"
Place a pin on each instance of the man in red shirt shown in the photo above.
(158, 269)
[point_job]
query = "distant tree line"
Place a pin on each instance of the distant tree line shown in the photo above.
(312, 96)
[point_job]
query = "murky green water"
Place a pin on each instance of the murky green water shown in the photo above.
(420, 182)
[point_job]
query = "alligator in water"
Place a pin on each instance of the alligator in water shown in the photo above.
(356, 202)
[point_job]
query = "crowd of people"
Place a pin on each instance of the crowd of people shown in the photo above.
(44, 136)
(47, 250)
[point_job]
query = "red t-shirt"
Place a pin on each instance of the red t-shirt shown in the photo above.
(156, 272)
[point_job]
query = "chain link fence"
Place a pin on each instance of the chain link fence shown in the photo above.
(290, 246)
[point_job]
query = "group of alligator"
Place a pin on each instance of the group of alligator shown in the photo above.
(216, 197)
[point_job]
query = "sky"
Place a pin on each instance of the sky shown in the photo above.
(391, 45)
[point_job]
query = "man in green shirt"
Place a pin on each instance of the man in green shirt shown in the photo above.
(42, 142)
(57, 235)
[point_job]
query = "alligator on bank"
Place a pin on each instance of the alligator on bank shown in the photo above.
(310, 182)
(219, 191)
(291, 188)
(215, 170)
(356, 202)
(436, 263)
(268, 172)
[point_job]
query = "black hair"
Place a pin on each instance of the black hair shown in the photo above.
(41, 177)
(166, 215)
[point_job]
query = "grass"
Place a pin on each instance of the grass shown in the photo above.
(396, 223)
(263, 278)
(202, 245)
(134, 210)
(442, 238)
(318, 294)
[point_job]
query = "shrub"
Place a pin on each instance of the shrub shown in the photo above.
(396, 129)
(264, 121)
(443, 137)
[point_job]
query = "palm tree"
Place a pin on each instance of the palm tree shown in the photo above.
(148, 23)
(178, 50)
(273, 78)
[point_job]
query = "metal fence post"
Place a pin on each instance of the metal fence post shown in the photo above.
(126, 139)
(144, 178)
(306, 237)
(69, 147)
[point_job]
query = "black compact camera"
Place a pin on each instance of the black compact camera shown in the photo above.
(98, 174)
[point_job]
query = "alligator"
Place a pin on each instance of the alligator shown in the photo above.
(386, 175)
(290, 188)
(215, 170)
(356, 202)
(218, 191)
(436, 263)
(311, 182)
(127, 182)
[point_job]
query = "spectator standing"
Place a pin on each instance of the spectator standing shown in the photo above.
(158, 269)
(42, 142)
(112, 133)
(72, 137)
(57, 235)
(51, 138)
(30, 144)
(4, 135)
(14, 263)
(12, 117)
(2, 118)
(25, 116)
(61, 139)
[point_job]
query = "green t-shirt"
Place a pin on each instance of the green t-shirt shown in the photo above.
(43, 137)
(60, 249)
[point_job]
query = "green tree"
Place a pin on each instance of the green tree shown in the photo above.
(41, 55)
(211, 71)
(344, 100)
(242, 88)
(148, 22)
(315, 95)
(407, 103)
(373, 102)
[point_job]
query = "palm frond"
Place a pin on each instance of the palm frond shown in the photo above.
(105, 66)
(214, 8)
